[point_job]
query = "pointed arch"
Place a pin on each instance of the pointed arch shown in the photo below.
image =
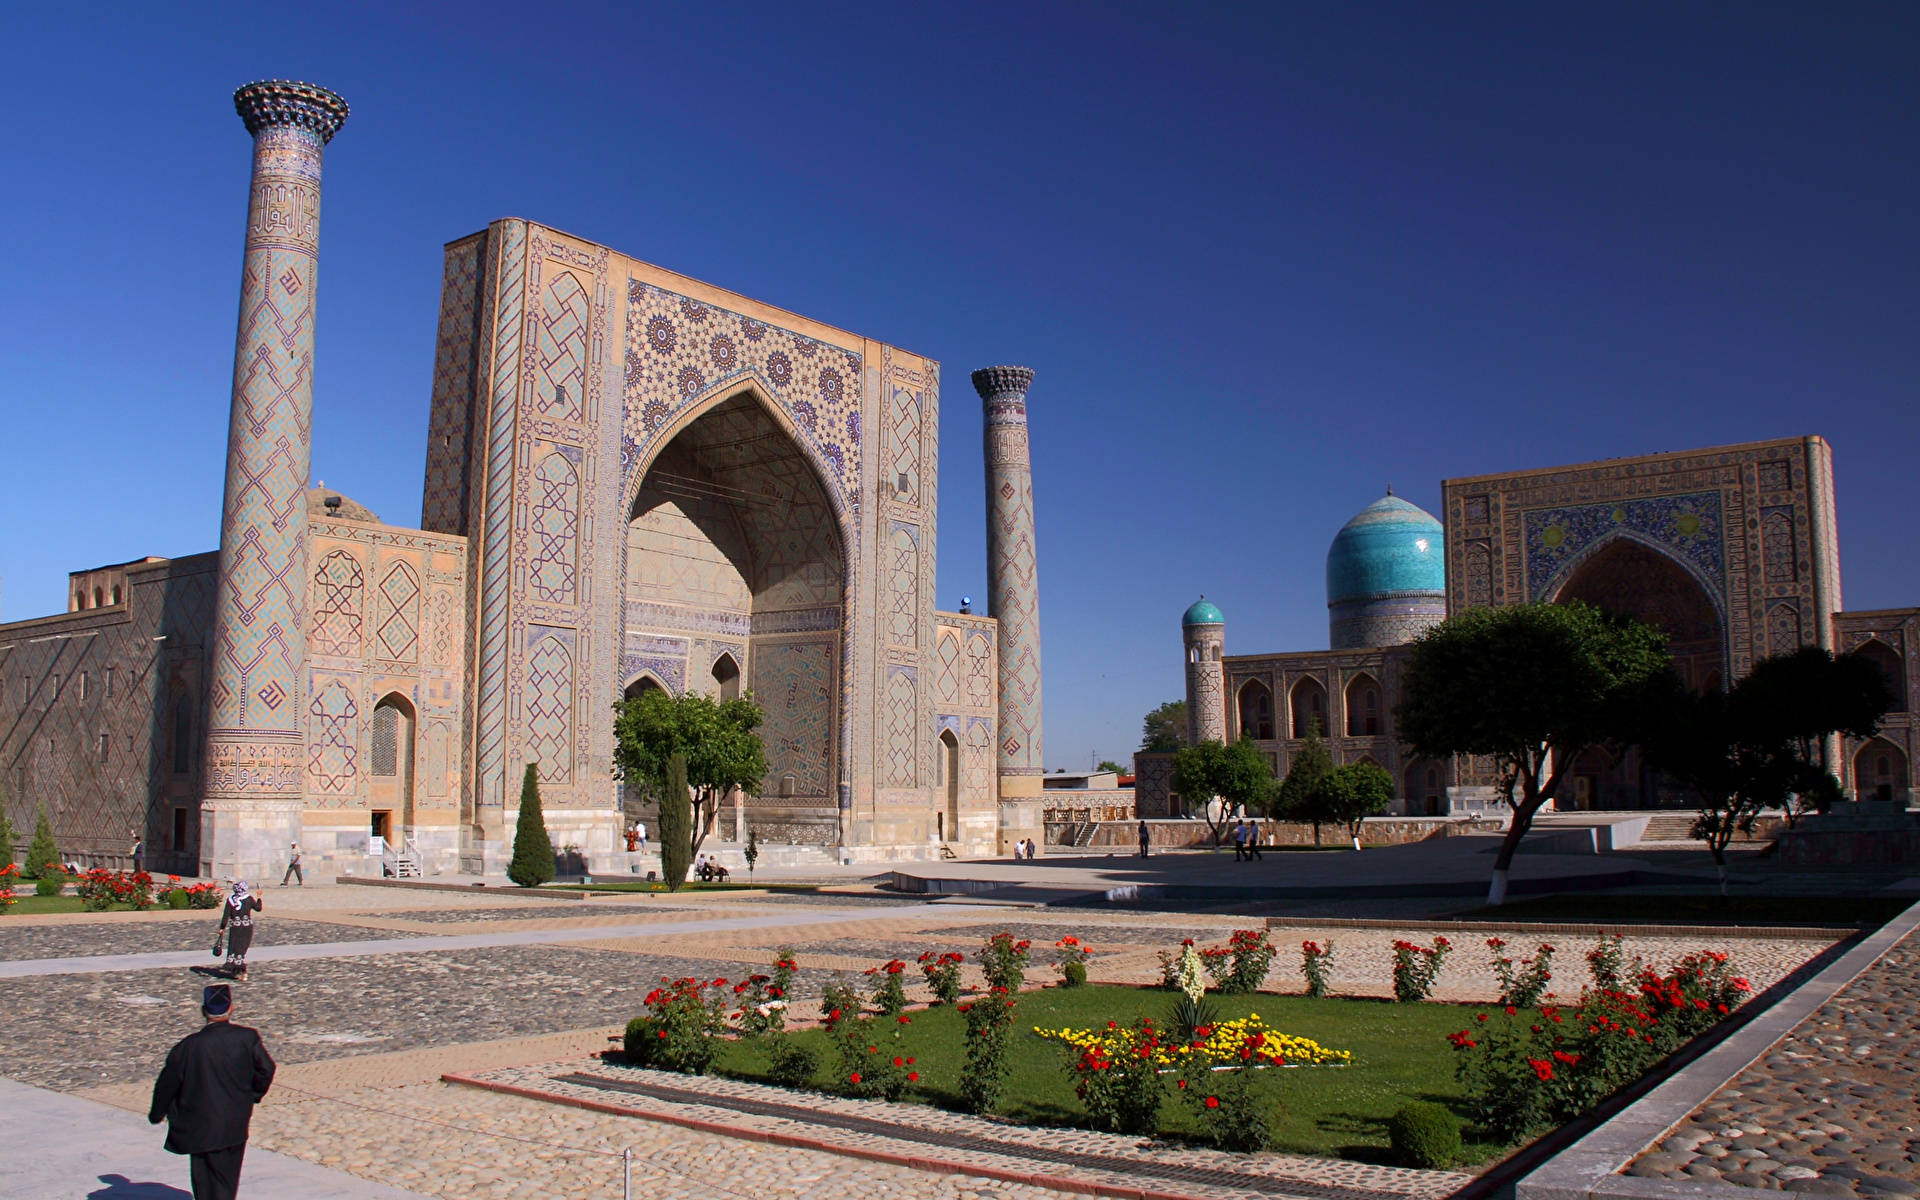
(726, 677)
(641, 684)
(1892, 669)
(1880, 772)
(1307, 707)
(1365, 717)
(1631, 575)
(948, 761)
(1254, 701)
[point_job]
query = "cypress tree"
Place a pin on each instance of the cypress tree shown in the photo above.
(42, 855)
(532, 863)
(676, 824)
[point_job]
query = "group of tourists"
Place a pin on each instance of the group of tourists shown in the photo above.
(636, 835)
(1024, 850)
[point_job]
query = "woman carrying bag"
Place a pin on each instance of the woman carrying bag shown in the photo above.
(236, 928)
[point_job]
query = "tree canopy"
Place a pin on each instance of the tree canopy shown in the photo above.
(716, 736)
(1165, 729)
(1352, 792)
(1531, 685)
(1299, 796)
(1107, 764)
(1805, 696)
(1238, 774)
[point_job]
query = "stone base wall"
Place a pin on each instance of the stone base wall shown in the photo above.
(1375, 831)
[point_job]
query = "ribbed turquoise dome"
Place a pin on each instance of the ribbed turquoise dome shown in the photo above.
(1390, 548)
(1203, 612)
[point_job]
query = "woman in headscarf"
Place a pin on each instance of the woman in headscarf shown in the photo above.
(236, 921)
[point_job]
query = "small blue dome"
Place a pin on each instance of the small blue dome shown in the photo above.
(1390, 548)
(1203, 612)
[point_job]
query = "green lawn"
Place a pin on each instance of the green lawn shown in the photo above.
(1400, 1054)
(26, 903)
(1655, 908)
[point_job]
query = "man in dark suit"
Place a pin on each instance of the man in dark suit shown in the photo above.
(206, 1094)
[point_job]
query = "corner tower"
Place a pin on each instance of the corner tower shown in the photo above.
(1204, 629)
(255, 757)
(1013, 581)
(1386, 576)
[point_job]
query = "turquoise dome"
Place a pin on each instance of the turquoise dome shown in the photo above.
(1203, 612)
(1390, 548)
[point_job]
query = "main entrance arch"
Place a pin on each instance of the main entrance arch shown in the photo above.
(736, 574)
(1630, 578)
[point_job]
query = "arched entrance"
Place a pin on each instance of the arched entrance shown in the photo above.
(735, 581)
(390, 770)
(1308, 708)
(1363, 707)
(1880, 772)
(948, 823)
(1630, 578)
(1256, 710)
(1424, 785)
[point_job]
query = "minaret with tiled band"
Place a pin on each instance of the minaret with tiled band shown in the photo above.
(1204, 630)
(1013, 580)
(256, 706)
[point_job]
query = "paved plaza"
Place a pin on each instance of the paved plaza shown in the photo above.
(368, 996)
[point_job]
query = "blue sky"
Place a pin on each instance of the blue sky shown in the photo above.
(1266, 259)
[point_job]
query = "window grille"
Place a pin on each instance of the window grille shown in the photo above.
(386, 741)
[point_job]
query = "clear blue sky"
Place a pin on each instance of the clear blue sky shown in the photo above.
(1266, 259)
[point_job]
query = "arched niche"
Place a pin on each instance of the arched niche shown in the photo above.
(1424, 784)
(390, 760)
(1629, 577)
(948, 758)
(1255, 702)
(1892, 670)
(726, 678)
(1307, 707)
(1364, 717)
(1880, 772)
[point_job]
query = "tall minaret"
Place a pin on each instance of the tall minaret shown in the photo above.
(256, 709)
(1013, 580)
(1204, 630)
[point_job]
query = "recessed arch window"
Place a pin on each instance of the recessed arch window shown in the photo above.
(1308, 705)
(1256, 710)
(1363, 707)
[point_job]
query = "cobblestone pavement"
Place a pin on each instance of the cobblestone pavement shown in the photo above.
(524, 912)
(157, 933)
(1112, 1159)
(1833, 1107)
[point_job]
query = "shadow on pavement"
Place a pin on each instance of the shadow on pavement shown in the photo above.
(119, 1187)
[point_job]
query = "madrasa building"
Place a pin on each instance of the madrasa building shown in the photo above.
(1732, 551)
(633, 480)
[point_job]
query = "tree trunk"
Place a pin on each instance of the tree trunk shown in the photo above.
(1497, 890)
(1316, 835)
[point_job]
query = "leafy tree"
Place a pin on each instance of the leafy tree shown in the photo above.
(532, 863)
(676, 823)
(1165, 729)
(1354, 792)
(1300, 797)
(1107, 764)
(1238, 774)
(716, 737)
(42, 854)
(1804, 698)
(1532, 685)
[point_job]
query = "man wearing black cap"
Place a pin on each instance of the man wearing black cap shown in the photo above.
(206, 1094)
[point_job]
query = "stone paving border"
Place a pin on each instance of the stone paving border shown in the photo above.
(1589, 1169)
(1823, 933)
(465, 889)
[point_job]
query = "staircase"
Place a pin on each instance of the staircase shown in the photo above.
(1083, 837)
(1669, 827)
(404, 865)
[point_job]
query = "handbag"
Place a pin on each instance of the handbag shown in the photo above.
(220, 943)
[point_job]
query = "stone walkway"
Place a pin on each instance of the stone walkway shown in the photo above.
(368, 995)
(1834, 1107)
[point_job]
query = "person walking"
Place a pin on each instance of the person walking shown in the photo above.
(293, 871)
(1239, 841)
(236, 925)
(1146, 837)
(139, 854)
(206, 1093)
(640, 827)
(1253, 839)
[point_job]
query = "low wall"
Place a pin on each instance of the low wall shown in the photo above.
(1849, 847)
(1374, 831)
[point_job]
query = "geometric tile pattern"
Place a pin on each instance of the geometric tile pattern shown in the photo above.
(491, 702)
(979, 672)
(903, 442)
(1013, 584)
(560, 347)
(443, 506)
(332, 725)
(898, 706)
(257, 718)
(337, 598)
(548, 709)
(398, 635)
(1777, 545)
(794, 680)
(553, 522)
(946, 670)
(903, 588)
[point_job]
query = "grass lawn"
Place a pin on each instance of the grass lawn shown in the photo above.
(28, 904)
(1400, 1054)
(1697, 910)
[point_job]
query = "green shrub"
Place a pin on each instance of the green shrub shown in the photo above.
(42, 856)
(943, 974)
(1425, 1135)
(1073, 974)
(178, 898)
(1227, 1105)
(685, 1018)
(871, 1063)
(989, 1032)
(50, 884)
(532, 863)
(889, 987)
(789, 1063)
(1004, 961)
(1121, 1089)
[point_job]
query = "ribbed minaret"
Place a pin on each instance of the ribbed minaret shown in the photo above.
(1013, 579)
(256, 706)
